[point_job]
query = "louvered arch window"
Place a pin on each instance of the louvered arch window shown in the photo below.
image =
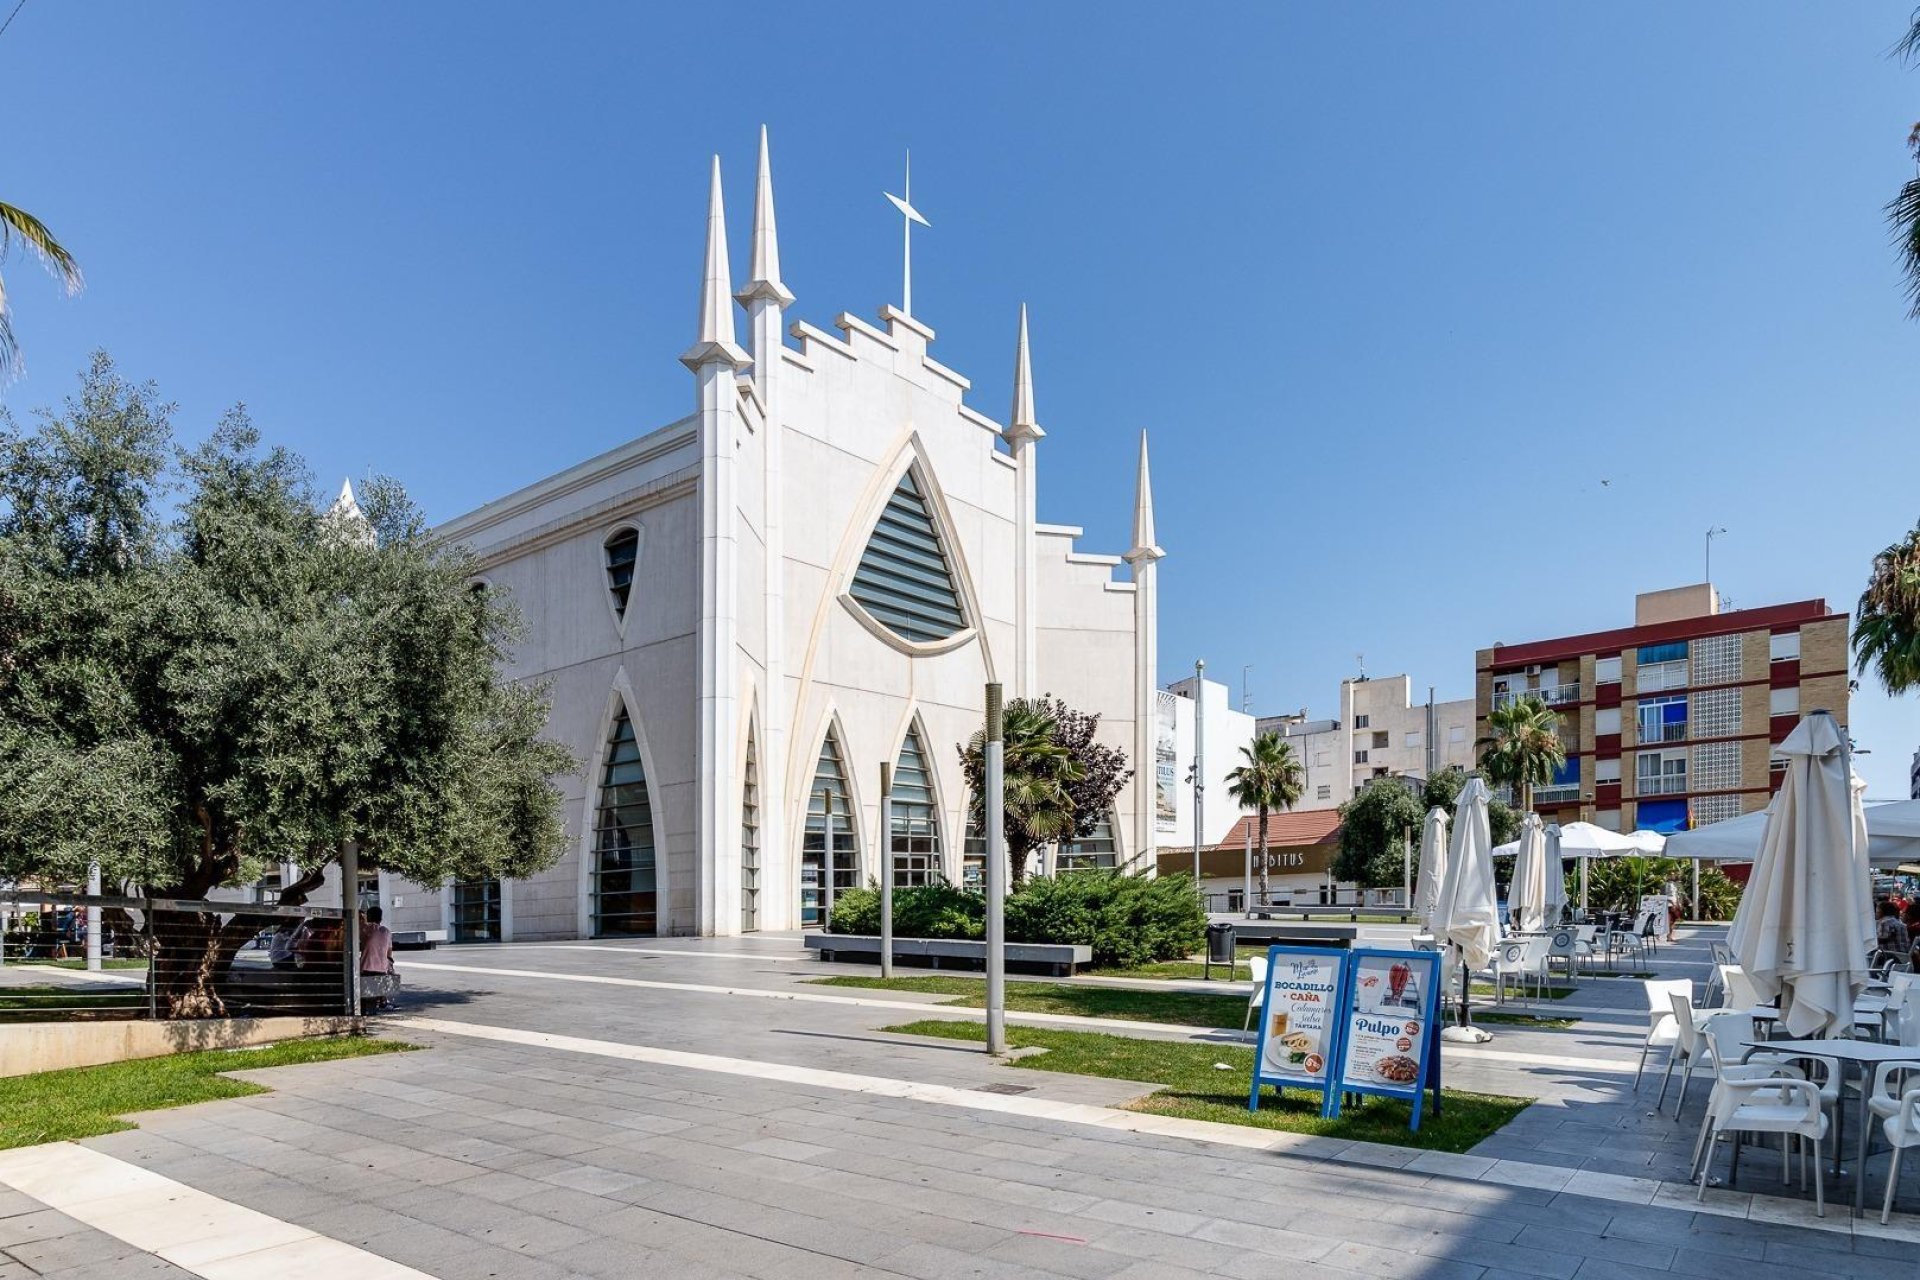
(1097, 850)
(750, 841)
(625, 898)
(916, 819)
(623, 549)
(829, 849)
(905, 579)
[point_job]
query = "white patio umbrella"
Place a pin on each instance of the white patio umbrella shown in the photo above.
(1466, 916)
(1804, 926)
(1527, 892)
(1433, 866)
(1893, 836)
(1556, 899)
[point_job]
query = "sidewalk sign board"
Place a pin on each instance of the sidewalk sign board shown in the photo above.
(1299, 1021)
(1388, 1043)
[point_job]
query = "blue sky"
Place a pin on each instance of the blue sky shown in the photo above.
(1392, 286)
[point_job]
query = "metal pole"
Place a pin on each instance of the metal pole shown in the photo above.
(153, 964)
(995, 820)
(826, 862)
(1694, 906)
(886, 871)
(1246, 890)
(93, 920)
(1199, 762)
(350, 921)
(1406, 867)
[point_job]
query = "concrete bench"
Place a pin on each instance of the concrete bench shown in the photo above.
(418, 939)
(1058, 958)
(1294, 933)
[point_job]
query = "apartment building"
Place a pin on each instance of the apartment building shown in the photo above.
(1381, 731)
(1671, 722)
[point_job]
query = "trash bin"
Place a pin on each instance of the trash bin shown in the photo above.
(1219, 948)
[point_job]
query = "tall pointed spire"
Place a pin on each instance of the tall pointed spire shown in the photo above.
(1022, 424)
(765, 281)
(1144, 547)
(716, 306)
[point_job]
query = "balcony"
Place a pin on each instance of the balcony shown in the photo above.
(1558, 794)
(1673, 731)
(1666, 784)
(1553, 695)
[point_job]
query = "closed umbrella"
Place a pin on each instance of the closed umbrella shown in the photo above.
(1556, 899)
(1527, 893)
(1433, 865)
(1804, 926)
(1466, 916)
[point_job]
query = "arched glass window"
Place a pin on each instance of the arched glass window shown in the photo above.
(750, 841)
(624, 896)
(904, 579)
(829, 854)
(1095, 850)
(916, 821)
(623, 548)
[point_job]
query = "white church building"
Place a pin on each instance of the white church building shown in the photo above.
(742, 614)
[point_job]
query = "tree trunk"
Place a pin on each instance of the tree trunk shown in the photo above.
(194, 951)
(1017, 855)
(1263, 854)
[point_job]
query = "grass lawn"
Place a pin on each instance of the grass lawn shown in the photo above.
(56, 1106)
(1524, 1020)
(1196, 1089)
(1081, 1001)
(41, 998)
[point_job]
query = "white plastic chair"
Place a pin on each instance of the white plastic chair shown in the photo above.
(1731, 1029)
(1256, 965)
(1661, 1031)
(1902, 1130)
(1716, 991)
(1563, 946)
(1771, 1104)
(1509, 960)
(1741, 993)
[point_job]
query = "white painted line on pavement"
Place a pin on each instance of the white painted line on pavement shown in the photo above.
(197, 1232)
(661, 951)
(1513, 1173)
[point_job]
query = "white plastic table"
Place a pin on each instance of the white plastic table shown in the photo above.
(1843, 1054)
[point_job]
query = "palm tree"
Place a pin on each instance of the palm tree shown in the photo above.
(1522, 748)
(1903, 211)
(1037, 770)
(1886, 627)
(1270, 779)
(18, 224)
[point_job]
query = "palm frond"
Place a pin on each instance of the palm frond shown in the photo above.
(1907, 48)
(18, 224)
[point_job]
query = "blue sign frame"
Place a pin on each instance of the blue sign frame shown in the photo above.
(1277, 954)
(1428, 1076)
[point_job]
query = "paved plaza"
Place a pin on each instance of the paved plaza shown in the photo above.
(692, 1108)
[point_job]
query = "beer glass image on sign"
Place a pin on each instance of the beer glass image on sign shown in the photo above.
(1381, 986)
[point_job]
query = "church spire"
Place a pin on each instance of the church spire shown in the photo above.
(765, 281)
(1144, 547)
(716, 307)
(1021, 425)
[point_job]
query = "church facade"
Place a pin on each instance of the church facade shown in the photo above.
(741, 615)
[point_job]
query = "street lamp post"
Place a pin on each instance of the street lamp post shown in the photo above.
(994, 819)
(1199, 762)
(886, 870)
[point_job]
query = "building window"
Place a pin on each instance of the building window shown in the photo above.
(1382, 739)
(916, 822)
(475, 910)
(1784, 702)
(904, 579)
(1360, 757)
(1323, 793)
(1662, 719)
(1716, 660)
(624, 898)
(1607, 819)
(1094, 851)
(750, 841)
(829, 850)
(1456, 733)
(1606, 721)
(1662, 815)
(623, 549)
(1660, 773)
(1652, 653)
(1607, 770)
(1606, 670)
(1362, 722)
(1413, 741)
(1380, 771)
(1784, 647)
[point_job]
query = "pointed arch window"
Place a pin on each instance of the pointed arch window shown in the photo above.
(915, 838)
(750, 841)
(1097, 850)
(625, 896)
(623, 551)
(905, 578)
(829, 853)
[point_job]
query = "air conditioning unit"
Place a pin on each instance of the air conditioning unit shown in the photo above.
(1534, 670)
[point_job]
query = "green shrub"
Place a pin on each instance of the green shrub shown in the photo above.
(1127, 920)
